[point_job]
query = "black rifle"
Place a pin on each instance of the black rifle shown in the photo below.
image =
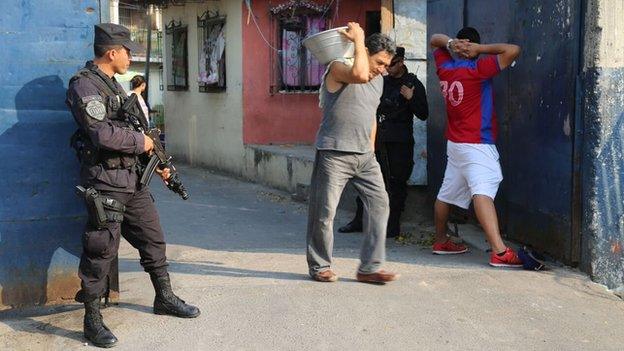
(159, 158)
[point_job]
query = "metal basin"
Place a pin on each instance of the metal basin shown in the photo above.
(329, 45)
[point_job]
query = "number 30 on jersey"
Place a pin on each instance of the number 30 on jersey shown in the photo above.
(454, 93)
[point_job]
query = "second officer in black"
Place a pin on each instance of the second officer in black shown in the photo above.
(403, 98)
(109, 151)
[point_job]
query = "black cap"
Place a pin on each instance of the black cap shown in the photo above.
(114, 34)
(400, 52)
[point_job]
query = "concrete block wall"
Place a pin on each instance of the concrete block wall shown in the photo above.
(603, 147)
(283, 167)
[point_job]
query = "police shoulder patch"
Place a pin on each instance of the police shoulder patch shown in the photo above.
(87, 99)
(96, 110)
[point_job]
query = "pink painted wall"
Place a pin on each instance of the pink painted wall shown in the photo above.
(281, 118)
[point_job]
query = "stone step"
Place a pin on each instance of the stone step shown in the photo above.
(285, 167)
(289, 168)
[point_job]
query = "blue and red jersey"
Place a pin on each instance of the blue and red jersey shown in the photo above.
(467, 89)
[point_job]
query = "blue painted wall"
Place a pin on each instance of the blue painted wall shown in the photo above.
(536, 104)
(42, 44)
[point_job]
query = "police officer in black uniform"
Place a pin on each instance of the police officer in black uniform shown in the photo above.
(108, 150)
(403, 98)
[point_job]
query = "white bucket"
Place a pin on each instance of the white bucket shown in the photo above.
(329, 45)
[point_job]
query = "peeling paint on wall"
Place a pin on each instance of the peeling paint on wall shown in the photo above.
(410, 31)
(603, 73)
(63, 281)
(605, 181)
(612, 38)
(567, 130)
(410, 22)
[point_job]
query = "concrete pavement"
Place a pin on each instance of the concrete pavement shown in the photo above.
(237, 251)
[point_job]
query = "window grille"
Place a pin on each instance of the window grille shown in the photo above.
(212, 43)
(135, 18)
(177, 59)
(295, 70)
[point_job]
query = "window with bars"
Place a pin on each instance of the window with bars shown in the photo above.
(128, 17)
(136, 20)
(177, 58)
(295, 70)
(211, 36)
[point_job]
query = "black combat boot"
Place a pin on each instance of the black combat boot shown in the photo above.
(94, 328)
(166, 302)
(355, 226)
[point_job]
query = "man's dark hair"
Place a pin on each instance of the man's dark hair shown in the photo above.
(379, 42)
(101, 50)
(136, 81)
(470, 34)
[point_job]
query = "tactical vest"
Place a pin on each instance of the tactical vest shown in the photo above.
(86, 151)
(392, 110)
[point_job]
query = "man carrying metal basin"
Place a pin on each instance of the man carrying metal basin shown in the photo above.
(349, 95)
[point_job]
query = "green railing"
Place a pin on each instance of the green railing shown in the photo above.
(158, 115)
(140, 36)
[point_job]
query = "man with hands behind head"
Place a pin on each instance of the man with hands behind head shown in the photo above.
(473, 172)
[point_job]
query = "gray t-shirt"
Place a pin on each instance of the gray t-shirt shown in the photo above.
(348, 117)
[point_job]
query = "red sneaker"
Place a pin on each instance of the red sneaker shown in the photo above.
(448, 248)
(509, 259)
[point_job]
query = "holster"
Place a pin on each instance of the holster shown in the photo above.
(101, 209)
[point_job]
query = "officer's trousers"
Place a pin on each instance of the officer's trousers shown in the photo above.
(140, 227)
(397, 162)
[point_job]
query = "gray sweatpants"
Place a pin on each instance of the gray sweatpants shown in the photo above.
(332, 170)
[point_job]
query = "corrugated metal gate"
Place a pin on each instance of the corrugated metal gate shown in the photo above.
(536, 106)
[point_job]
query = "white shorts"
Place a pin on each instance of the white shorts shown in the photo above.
(472, 169)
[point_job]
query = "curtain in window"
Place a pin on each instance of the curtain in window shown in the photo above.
(214, 46)
(291, 59)
(291, 42)
(314, 71)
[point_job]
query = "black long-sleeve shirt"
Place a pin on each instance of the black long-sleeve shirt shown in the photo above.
(88, 104)
(395, 115)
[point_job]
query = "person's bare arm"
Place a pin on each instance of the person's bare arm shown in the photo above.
(442, 41)
(439, 40)
(360, 71)
(505, 53)
(373, 135)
